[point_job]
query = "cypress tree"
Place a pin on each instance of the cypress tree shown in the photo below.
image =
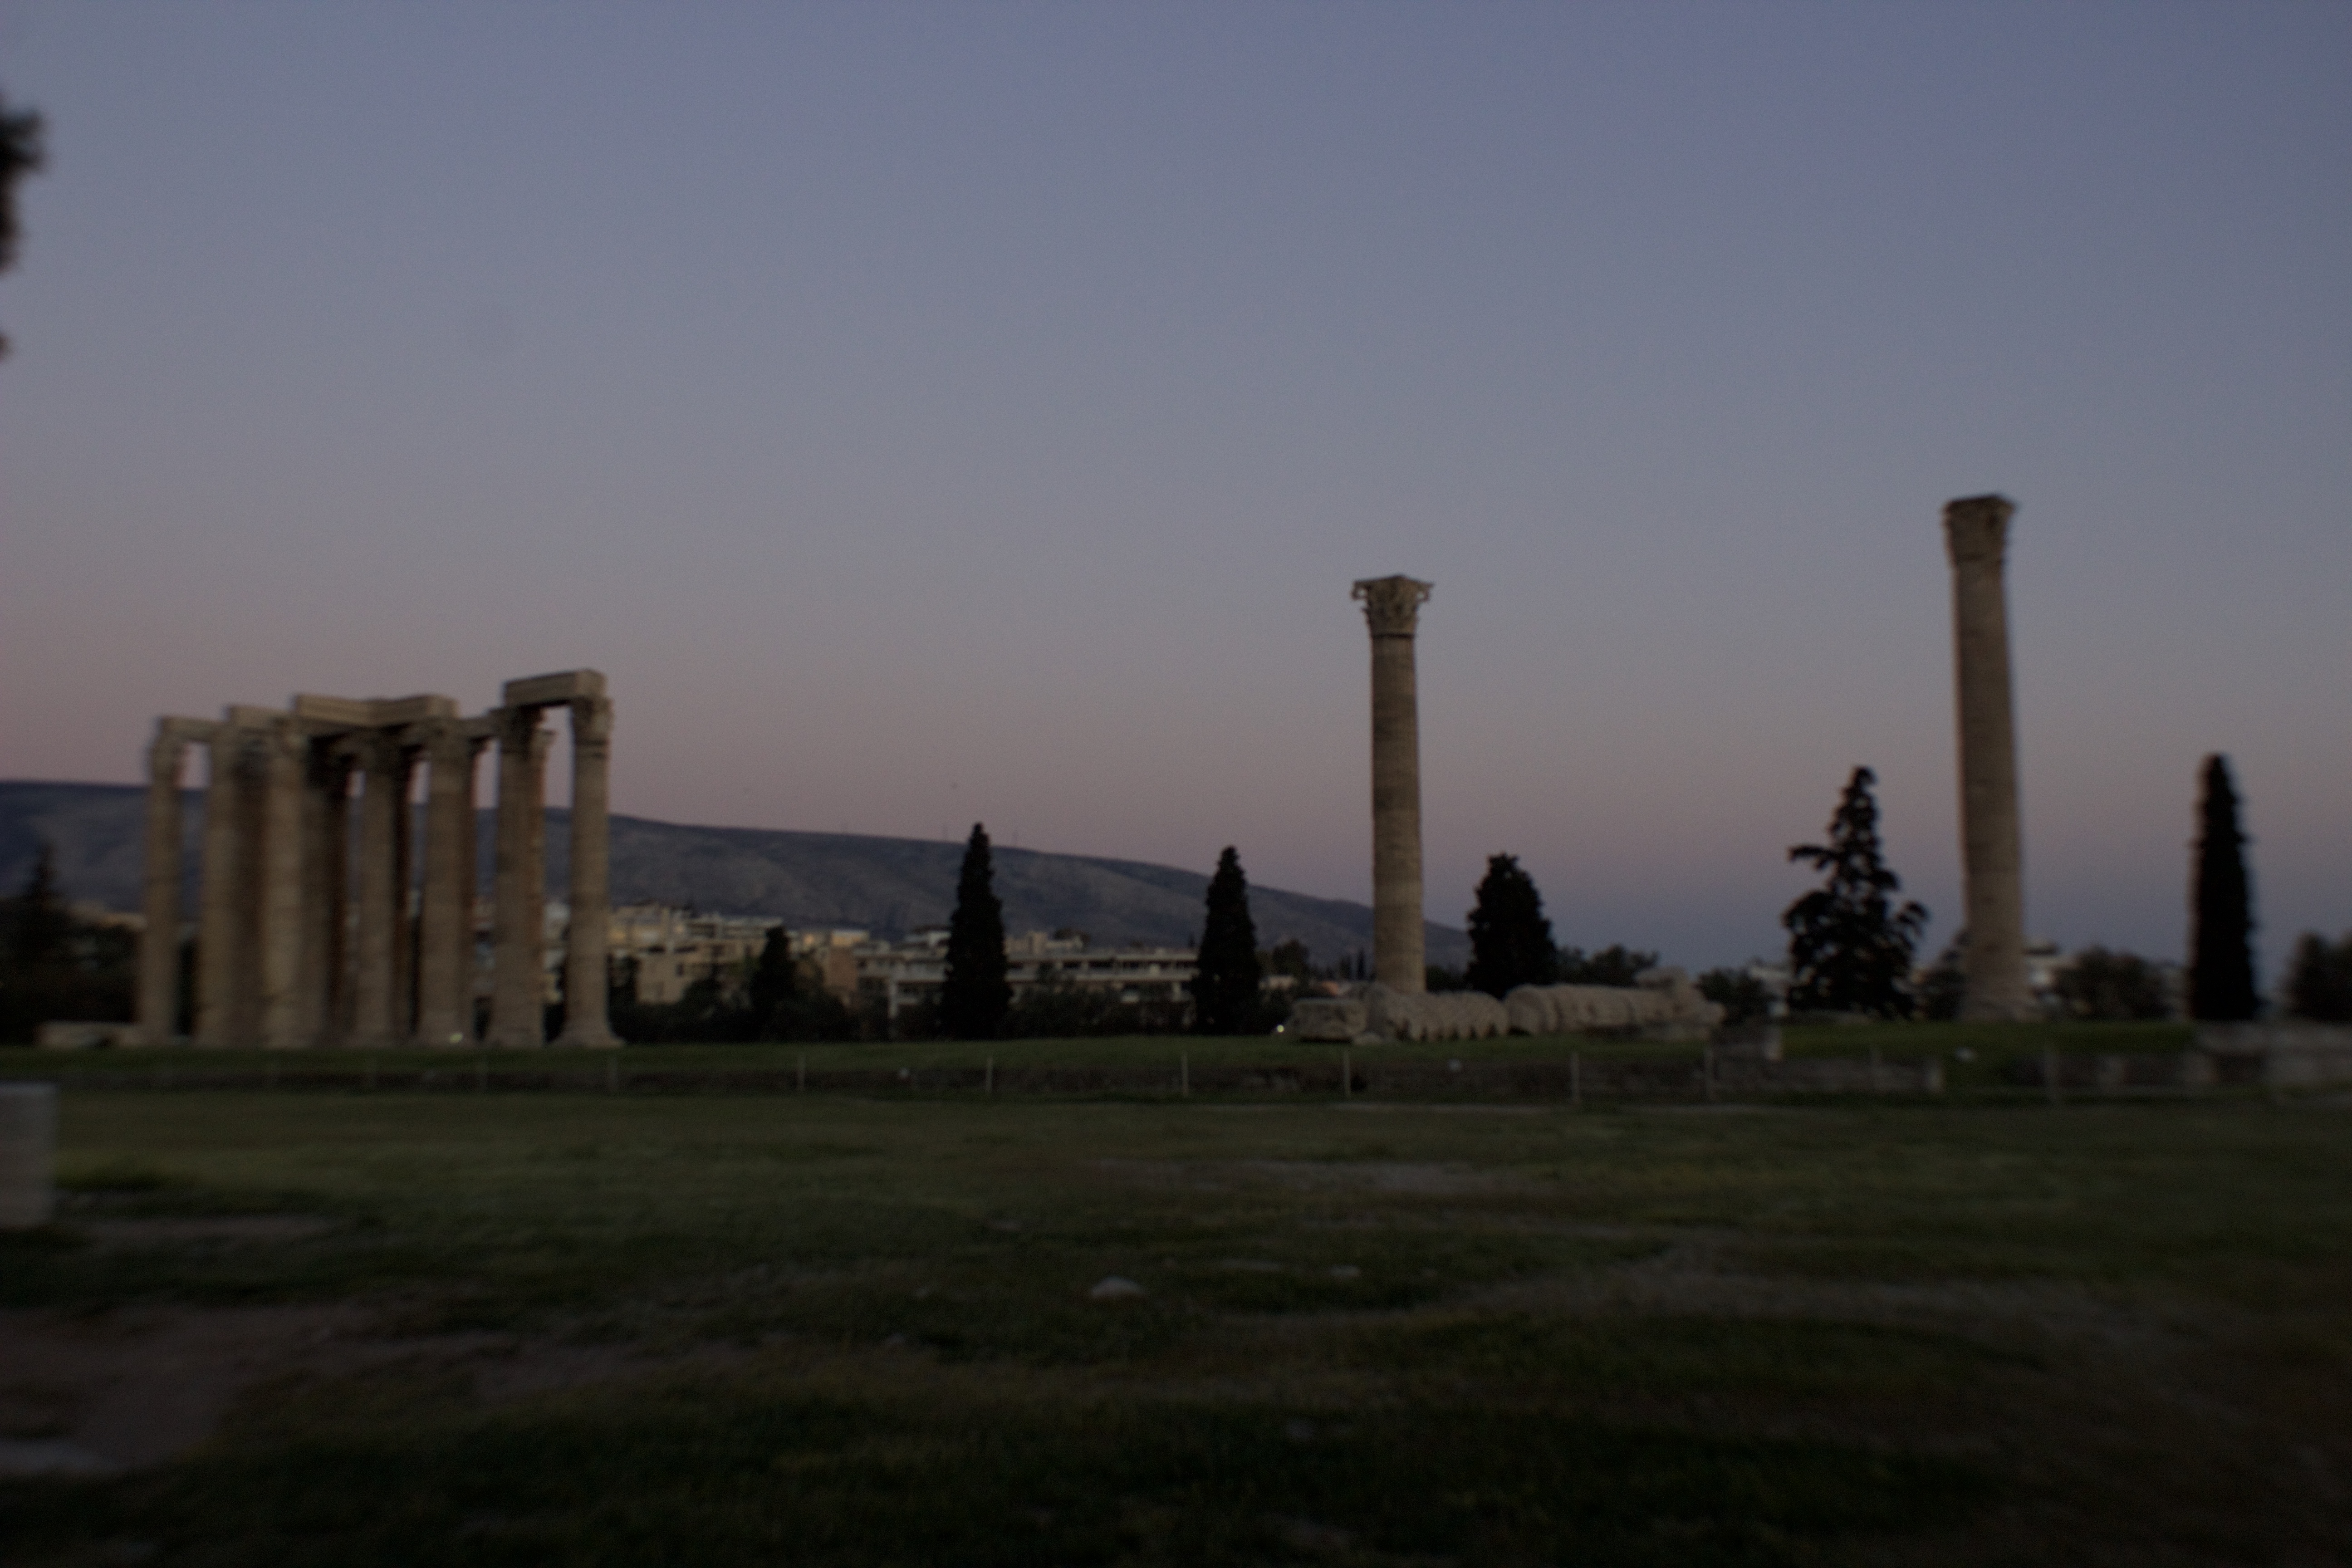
(1510, 939)
(774, 982)
(2221, 954)
(1226, 982)
(975, 994)
(1848, 951)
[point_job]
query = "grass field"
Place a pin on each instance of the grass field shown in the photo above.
(579, 1328)
(1975, 1055)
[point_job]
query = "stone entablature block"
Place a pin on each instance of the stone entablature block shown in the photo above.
(552, 691)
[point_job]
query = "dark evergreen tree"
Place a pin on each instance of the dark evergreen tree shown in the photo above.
(975, 994)
(53, 965)
(1510, 939)
(1225, 982)
(2220, 950)
(1850, 951)
(20, 154)
(2319, 986)
(773, 986)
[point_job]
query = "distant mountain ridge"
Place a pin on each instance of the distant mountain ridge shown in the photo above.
(804, 879)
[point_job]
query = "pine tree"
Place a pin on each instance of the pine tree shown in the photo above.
(2221, 953)
(1848, 952)
(1225, 980)
(1510, 939)
(975, 994)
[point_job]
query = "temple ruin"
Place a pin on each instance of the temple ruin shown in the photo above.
(311, 933)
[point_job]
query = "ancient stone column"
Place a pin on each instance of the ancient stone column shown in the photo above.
(586, 1020)
(445, 928)
(405, 900)
(278, 893)
(517, 1016)
(159, 941)
(222, 924)
(326, 857)
(1392, 608)
(1975, 535)
(383, 896)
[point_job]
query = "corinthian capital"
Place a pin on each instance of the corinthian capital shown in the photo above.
(1393, 605)
(591, 720)
(1976, 528)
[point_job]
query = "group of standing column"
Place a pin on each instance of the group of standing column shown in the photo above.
(313, 931)
(1976, 538)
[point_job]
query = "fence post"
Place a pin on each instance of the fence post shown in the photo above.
(1347, 1075)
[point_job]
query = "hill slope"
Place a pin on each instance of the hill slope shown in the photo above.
(886, 885)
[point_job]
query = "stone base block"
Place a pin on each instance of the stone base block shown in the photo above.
(29, 1154)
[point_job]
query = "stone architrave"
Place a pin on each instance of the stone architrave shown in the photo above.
(159, 940)
(1976, 537)
(586, 1015)
(445, 927)
(517, 1006)
(1393, 611)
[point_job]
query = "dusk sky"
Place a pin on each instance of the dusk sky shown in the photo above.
(925, 413)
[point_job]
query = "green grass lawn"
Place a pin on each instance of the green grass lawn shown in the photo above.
(581, 1329)
(1974, 1053)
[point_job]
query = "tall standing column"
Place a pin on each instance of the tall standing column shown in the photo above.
(586, 1018)
(404, 896)
(277, 913)
(222, 927)
(1392, 608)
(445, 930)
(517, 1004)
(383, 801)
(159, 940)
(326, 859)
(1976, 536)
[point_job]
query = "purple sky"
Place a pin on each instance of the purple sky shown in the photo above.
(925, 413)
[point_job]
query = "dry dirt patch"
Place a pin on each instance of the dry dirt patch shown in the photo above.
(84, 1395)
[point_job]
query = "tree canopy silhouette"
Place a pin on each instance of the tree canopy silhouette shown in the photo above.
(2220, 950)
(1510, 939)
(1226, 982)
(1849, 951)
(21, 154)
(976, 994)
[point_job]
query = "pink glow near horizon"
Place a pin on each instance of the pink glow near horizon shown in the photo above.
(927, 416)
